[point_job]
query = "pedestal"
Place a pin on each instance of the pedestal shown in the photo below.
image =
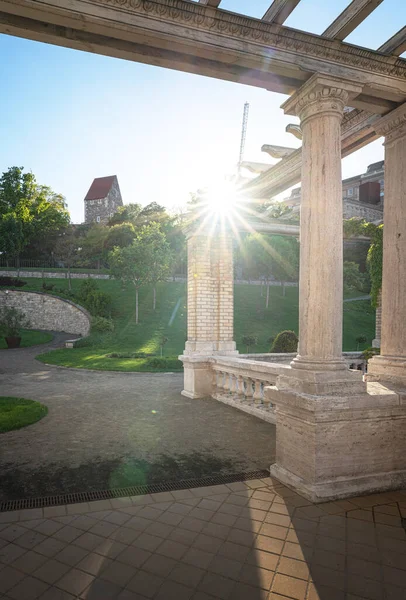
(340, 446)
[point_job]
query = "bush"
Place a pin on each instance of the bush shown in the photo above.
(11, 282)
(352, 278)
(165, 363)
(370, 352)
(97, 303)
(249, 340)
(102, 324)
(12, 321)
(48, 287)
(285, 341)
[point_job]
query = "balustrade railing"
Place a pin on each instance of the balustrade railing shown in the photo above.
(241, 382)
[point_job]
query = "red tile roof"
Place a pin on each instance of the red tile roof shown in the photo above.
(100, 187)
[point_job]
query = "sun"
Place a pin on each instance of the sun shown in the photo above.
(220, 200)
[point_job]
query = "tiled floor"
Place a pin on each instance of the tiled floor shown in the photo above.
(255, 540)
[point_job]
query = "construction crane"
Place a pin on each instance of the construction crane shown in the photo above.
(243, 134)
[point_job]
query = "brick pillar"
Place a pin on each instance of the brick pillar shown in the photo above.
(210, 298)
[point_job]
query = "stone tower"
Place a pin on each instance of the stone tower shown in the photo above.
(102, 200)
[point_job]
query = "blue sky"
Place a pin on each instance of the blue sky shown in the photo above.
(70, 116)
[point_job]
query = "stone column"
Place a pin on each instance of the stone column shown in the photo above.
(391, 364)
(376, 343)
(210, 292)
(320, 105)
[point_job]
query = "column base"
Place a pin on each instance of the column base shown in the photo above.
(339, 489)
(330, 447)
(388, 368)
(303, 363)
(324, 383)
(198, 374)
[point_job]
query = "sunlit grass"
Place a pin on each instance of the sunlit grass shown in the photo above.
(251, 318)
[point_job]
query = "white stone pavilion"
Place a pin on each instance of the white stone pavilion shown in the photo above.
(337, 435)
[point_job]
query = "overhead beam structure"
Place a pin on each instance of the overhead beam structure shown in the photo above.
(279, 11)
(350, 18)
(212, 3)
(192, 37)
(396, 45)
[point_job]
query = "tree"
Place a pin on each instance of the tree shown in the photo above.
(31, 211)
(161, 260)
(126, 214)
(249, 340)
(66, 249)
(135, 263)
(271, 256)
(93, 245)
(352, 278)
(361, 339)
(120, 235)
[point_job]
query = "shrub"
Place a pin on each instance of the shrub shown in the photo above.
(370, 352)
(361, 339)
(249, 340)
(164, 363)
(48, 286)
(11, 282)
(12, 321)
(97, 303)
(102, 324)
(285, 341)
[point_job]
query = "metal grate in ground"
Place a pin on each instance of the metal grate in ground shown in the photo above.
(136, 490)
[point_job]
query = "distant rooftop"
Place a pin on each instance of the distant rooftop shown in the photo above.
(100, 187)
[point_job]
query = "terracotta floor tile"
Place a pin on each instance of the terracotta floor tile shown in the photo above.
(294, 568)
(289, 586)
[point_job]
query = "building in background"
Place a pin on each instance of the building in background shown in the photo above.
(363, 195)
(102, 200)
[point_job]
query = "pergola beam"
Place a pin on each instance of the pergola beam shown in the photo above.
(350, 18)
(279, 11)
(212, 3)
(396, 45)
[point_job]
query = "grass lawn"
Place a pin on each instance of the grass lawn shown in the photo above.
(19, 412)
(29, 338)
(169, 320)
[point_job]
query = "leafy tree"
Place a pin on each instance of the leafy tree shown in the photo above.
(162, 343)
(353, 279)
(361, 339)
(126, 214)
(66, 249)
(29, 211)
(285, 341)
(93, 249)
(120, 235)
(135, 263)
(161, 259)
(249, 340)
(271, 257)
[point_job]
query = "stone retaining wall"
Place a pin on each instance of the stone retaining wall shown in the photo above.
(48, 312)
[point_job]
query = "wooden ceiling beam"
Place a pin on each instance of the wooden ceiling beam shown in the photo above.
(279, 11)
(350, 18)
(396, 45)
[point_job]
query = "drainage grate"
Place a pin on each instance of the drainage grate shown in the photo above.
(136, 490)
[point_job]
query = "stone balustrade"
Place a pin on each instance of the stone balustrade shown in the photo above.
(240, 382)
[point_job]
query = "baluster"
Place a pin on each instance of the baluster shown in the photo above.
(233, 384)
(226, 385)
(240, 387)
(248, 389)
(215, 383)
(265, 400)
(257, 392)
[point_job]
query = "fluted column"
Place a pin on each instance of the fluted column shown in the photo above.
(391, 364)
(320, 105)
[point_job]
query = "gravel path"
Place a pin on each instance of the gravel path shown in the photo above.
(109, 429)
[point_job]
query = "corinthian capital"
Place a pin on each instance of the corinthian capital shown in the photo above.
(393, 125)
(321, 94)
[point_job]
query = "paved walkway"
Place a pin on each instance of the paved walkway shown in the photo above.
(244, 541)
(108, 430)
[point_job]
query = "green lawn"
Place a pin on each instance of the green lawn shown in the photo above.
(19, 412)
(169, 320)
(29, 338)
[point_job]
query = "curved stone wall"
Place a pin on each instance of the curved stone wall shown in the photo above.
(48, 312)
